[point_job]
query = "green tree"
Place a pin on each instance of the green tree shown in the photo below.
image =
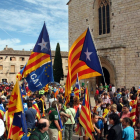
(57, 66)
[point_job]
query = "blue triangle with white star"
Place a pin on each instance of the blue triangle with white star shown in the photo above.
(89, 54)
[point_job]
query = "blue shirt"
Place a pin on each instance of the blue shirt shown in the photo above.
(128, 133)
(30, 118)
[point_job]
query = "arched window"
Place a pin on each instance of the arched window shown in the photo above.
(104, 17)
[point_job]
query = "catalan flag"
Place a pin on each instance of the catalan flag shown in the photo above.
(67, 100)
(43, 115)
(77, 88)
(133, 112)
(2, 112)
(15, 104)
(38, 70)
(106, 111)
(35, 106)
(16, 111)
(85, 116)
(78, 130)
(8, 121)
(83, 60)
(55, 91)
(95, 109)
(19, 76)
(60, 124)
(46, 88)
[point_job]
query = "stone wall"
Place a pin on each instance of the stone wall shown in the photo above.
(120, 47)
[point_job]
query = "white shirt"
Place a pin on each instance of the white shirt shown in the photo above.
(1, 127)
(51, 100)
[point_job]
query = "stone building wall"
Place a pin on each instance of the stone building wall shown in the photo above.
(118, 49)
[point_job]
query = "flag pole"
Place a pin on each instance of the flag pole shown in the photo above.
(89, 95)
(98, 56)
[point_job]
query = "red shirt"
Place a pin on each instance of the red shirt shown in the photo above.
(97, 92)
(124, 115)
(27, 89)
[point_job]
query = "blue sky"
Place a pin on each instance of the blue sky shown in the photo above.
(21, 22)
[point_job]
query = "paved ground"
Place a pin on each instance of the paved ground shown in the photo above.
(75, 137)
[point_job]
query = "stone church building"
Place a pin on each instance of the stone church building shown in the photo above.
(115, 28)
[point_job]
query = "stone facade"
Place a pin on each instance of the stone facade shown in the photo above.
(119, 49)
(12, 61)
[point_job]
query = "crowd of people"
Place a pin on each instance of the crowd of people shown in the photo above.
(43, 109)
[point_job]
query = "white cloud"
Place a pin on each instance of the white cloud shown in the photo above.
(15, 44)
(28, 19)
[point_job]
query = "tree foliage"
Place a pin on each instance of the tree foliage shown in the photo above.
(57, 66)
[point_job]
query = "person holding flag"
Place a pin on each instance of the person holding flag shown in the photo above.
(53, 117)
(69, 124)
(35, 106)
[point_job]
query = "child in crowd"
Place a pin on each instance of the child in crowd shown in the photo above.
(97, 131)
(128, 131)
(106, 118)
(137, 130)
(97, 109)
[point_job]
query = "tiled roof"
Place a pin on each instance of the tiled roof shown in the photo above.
(10, 51)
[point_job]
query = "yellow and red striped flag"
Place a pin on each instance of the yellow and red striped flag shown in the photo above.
(16, 112)
(38, 70)
(59, 135)
(106, 111)
(78, 130)
(95, 109)
(35, 106)
(67, 100)
(1, 114)
(133, 112)
(85, 116)
(83, 60)
(77, 87)
(43, 115)
(15, 104)
(46, 88)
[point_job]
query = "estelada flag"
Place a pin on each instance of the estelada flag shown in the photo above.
(38, 70)
(15, 104)
(85, 116)
(82, 59)
(35, 106)
(77, 88)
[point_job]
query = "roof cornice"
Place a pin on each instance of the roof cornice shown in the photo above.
(68, 2)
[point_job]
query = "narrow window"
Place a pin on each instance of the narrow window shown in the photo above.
(1, 67)
(21, 59)
(12, 69)
(66, 67)
(66, 60)
(21, 67)
(104, 17)
(12, 59)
